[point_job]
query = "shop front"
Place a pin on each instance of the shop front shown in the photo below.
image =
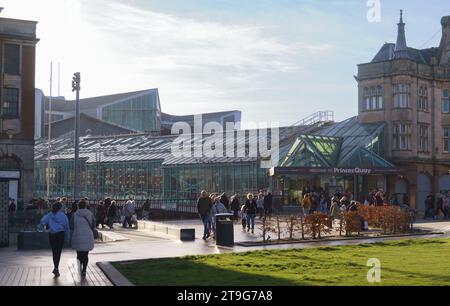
(292, 183)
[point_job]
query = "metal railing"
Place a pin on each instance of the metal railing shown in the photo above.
(319, 117)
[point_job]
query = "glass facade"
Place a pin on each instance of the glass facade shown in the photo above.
(144, 166)
(99, 180)
(142, 113)
(185, 182)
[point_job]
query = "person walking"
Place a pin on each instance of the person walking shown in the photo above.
(235, 207)
(260, 205)
(111, 214)
(217, 208)
(439, 205)
(335, 210)
(204, 210)
(128, 212)
(146, 210)
(307, 204)
(58, 227)
(429, 207)
(268, 204)
(250, 210)
(323, 203)
(225, 201)
(101, 214)
(446, 205)
(83, 223)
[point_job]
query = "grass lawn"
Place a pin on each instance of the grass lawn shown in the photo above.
(406, 262)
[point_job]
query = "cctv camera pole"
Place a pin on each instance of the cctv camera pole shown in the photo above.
(76, 87)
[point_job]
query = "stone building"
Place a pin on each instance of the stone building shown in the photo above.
(17, 48)
(408, 89)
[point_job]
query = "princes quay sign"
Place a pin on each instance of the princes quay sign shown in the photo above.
(334, 171)
(358, 171)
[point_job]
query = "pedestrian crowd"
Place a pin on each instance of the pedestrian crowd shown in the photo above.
(245, 210)
(76, 225)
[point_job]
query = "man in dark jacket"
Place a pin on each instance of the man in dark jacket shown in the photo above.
(429, 206)
(225, 201)
(235, 206)
(204, 210)
(268, 202)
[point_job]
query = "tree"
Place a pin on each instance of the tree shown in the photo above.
(292, 224)
(278, 227)
(266, 227)
(352, 223)
(317, 224)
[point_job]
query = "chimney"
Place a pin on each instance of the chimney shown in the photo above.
(445, 41)
(401, 49)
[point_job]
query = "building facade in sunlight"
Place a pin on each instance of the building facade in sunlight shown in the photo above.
(125, 113)
(18, 54)
(409, 90)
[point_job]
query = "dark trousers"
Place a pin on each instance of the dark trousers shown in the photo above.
(268, 211)
(110, 221)
(83, 257)
(57, 244)
(100, 221)
(126, 221)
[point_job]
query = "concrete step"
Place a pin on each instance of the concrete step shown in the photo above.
(110, 236)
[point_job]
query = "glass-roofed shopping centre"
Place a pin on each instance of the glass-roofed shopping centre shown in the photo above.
(314, 155)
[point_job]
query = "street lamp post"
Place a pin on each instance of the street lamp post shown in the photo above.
(76, 87)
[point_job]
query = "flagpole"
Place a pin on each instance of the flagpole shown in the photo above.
(49, 135)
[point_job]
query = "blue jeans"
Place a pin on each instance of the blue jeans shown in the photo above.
(206, 219)
(251, 220)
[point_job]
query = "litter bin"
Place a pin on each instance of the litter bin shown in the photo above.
(224, 230)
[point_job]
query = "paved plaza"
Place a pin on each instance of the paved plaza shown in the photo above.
(33, 268)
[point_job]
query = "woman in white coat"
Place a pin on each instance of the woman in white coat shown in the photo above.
(83, 236)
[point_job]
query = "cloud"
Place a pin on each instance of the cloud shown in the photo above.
(181, 47)
(199, 64)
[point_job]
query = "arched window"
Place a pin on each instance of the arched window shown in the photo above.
(9, 163)
(446, 102)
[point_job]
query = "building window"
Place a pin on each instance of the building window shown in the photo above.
(373, 98)
(423, 138)
(447, 139)
(401, 136)
(10, 102)
(446, 102)
(423, 99)
(401, 96)
(12, 59)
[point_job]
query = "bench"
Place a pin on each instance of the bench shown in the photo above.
(167, 230)
(32, 240)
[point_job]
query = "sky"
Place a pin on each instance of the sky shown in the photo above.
(274, 60)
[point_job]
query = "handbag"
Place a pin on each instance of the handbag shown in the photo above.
(94, 230)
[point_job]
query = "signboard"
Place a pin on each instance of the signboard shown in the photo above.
(335, 171)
